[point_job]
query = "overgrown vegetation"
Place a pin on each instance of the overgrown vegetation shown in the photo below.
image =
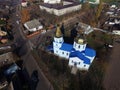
(56, 69)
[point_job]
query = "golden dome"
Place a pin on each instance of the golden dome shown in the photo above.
(58, 32)
(80, 39)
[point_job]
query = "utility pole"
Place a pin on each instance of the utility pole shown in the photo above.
(62, 2)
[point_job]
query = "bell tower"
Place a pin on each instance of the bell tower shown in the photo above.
(80, 43)
(58, 40)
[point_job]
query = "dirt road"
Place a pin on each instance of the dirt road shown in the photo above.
(112, 76)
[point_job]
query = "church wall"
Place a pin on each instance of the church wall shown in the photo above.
(57, 45)
(79, 47)
(80, 64)
(64, 54)
(59, 40)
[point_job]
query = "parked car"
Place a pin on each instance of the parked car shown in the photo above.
(11, 70)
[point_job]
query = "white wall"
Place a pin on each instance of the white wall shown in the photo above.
(66, 3)
(40, 27)
(33, 29)
(24, 4)
(56, 51)
(58, 40)
(57, 45)
(117, 32)
(80, 65)
(79, 47)
(61, 11)
(61, 53)
(52, 1)
(64, 54)
(97, 2)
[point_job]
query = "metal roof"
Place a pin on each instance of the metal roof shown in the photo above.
(58, 6)
(66, 47)
(90, 52)
(80, 56)
(33, 24)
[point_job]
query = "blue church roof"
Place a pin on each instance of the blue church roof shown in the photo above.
(90, 52)
(66, 47)
(81, 56)
(50, 48)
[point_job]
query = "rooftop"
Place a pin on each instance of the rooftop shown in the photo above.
(6, 58)
(85, 27)
(33, 23)
(80, 56)
(66, 47)
(66, 4)
(90, 52)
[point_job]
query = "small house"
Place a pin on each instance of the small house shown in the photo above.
(33, 25)
(24, 3)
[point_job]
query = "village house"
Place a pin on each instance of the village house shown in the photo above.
(33, 25)
(94, 1)
(113, 14)
(24, 3)
(85, 28)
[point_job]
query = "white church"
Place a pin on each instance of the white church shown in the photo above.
(78, 54)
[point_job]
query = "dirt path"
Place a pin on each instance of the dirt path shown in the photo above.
(112, 76)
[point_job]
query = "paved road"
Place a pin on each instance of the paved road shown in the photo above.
(112, 76)
(29, 62)
(31, 65)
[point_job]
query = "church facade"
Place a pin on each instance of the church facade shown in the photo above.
(78, 54)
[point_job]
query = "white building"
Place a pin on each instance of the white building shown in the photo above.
(52, 1)
(33, 25)
(116, 32)
(57, 8)
(94, 1)
(24, 3)
(78, 54)
(85, 28)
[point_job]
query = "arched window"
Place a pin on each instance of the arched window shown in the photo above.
(67, 54)
(79, 46)
(84, 65)
(83, 47)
